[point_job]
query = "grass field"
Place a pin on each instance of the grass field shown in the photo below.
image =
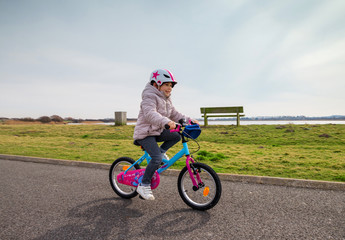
(293, 151)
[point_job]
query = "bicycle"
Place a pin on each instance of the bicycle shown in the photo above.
(198, 184)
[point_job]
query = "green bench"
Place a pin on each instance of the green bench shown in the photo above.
(221, 112)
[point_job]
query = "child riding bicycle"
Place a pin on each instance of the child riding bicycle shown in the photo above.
(156, 111)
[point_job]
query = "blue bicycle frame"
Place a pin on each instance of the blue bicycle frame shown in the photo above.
(167, 163)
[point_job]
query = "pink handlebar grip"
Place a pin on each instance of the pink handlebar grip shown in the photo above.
(177, 129)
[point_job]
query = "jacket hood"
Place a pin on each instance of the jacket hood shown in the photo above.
(151, 90)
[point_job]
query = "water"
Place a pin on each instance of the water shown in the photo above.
(275, 122)
(268, 122)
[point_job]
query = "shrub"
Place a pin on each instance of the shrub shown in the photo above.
(56, 118)
(27, 119)
(44, 119)
(69, 119)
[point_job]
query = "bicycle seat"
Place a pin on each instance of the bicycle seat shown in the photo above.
(138, 144)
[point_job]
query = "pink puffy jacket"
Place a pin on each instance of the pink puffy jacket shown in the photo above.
(156, 110)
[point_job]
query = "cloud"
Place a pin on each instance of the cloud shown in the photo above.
(89, 59)
(69, 83)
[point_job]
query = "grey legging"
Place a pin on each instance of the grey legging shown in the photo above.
(152, 148)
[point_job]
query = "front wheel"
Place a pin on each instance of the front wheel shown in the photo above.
(208, 193)
(120, 165)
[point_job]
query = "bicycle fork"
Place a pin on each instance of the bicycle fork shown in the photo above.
(193, 171)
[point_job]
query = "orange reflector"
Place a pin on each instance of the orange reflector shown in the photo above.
(124, 168)
(206, 191)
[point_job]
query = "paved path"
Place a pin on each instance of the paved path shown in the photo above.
(44, 201)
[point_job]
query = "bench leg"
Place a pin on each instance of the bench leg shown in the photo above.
(238, 120)
(205, 121)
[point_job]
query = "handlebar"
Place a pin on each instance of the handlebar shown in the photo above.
(177, 129)
(179, 125)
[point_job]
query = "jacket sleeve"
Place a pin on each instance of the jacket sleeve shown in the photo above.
(149, 107)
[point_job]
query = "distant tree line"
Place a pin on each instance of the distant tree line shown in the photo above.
(56, 119)
(283, 118)
(44, 119)
(333, 117)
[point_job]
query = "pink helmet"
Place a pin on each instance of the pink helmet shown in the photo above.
(161, 76)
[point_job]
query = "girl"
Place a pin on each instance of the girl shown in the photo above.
(156, 111)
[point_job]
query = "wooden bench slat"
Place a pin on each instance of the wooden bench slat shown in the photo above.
(241, 115)
(221, 109)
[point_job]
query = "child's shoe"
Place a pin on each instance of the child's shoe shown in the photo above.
(165, 156)
(145, 192)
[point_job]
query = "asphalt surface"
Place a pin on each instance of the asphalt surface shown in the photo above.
(46, 201)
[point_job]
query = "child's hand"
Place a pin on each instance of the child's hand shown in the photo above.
(172, 125)
(195, 121)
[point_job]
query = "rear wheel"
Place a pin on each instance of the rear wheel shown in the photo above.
(207, 195)
(118, 166)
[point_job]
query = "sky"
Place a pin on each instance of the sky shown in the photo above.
(88, 59)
